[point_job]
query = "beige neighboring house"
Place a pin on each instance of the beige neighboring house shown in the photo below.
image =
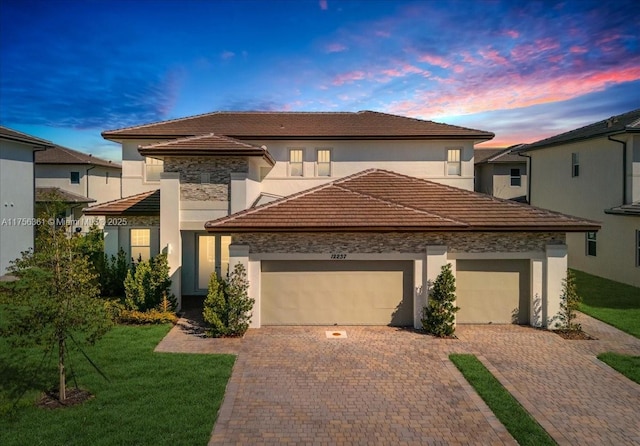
(79, 177)
(594, 172)
(501, 173)
(339, 218)
(17, 193)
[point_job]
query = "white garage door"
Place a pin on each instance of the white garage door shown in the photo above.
(337, 292)
(492, 291)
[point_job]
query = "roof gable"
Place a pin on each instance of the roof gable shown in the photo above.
(63, 155)
(146, 203)
(14, 135)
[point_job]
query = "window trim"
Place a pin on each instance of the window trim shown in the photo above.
(449, 163)
(71, 177)
(131, 245)
(301, 162)
(591, 242)
(515, 177)
(329, 163)
(575, 164)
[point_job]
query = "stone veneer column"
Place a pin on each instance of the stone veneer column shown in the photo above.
(555, 272)
(170, 239)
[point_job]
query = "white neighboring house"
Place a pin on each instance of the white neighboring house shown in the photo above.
(594, 172)
(17, 193)
(339, 238)
(79, 177)
(501, 173)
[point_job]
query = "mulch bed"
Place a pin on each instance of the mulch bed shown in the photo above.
(574, 335)
(49, 400)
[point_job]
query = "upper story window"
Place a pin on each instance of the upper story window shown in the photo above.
(295, 162)
(454, 165)
(152, 169)
(575, 165)
(324, 162)
(516, 177)
(591, 244)
(75, 178)
(140, 244)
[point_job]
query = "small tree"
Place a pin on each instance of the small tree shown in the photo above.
(439, 314)
(227, 308)
(115, 273)
(569, 304)
(147, 284)
(54, 299)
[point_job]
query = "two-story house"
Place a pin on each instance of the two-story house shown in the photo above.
(594, 172)
(17, 199)
(339, 218)
(76, 178)
(501, 173)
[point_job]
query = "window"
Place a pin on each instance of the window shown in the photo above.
(140, 244)
(153, 169)
(454, 166)
(295, 162)
(516, 178)
(591, 244)
(324, 162)
(575, 165)
(638, 248)
(213, 255)
(75, 178)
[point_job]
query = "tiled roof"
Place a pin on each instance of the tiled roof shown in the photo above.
(379, 200)
(626, 122)
(312, 125)
(209, 144)
(508, 155)
(146, 203)
(14, 135)
(625, 209)
(64, 155)
(46, 194)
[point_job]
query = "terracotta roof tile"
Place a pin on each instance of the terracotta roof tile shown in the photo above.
(146, 203)
(64, 155)
(632, 209)
(383, 200)
(508, 155)
(283, 125)
(14, 135)
(46, 194)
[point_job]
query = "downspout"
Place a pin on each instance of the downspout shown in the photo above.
(530, 164)
(624, 168)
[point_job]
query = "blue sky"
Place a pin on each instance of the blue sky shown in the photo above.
(523, 70)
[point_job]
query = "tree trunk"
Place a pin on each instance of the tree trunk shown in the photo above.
(62, 393)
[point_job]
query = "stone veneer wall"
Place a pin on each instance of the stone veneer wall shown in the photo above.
(138, 220)
(218, 168)
(396, 242)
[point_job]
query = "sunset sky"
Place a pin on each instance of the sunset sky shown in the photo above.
(523, 70)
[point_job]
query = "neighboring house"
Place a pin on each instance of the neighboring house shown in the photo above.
(333, 218)
(74, 204)
(17, 193)
(594, 172)
(79, 174)
(501, 173)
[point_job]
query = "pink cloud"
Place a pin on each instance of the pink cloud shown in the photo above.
(349, 77)
(512, 33)
(577, 49)
(335, 48)
(493, 56)
(403, 70)
(434, 60)
(323, 5)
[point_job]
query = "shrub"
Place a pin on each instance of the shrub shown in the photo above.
(569, 304)
(227, 308)
(114, 274)
(439, 314)
(148, 284)
(152, 316)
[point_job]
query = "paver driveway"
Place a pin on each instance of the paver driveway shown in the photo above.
(386, 386)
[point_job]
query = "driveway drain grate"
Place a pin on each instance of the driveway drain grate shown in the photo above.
(336, 334)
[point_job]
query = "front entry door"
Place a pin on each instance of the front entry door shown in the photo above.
(212, 255)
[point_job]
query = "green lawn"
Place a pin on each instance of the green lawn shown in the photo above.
(612, 302)
(151, 399)
(522, 426)
(629, 366)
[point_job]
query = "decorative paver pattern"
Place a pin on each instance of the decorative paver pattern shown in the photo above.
(382, 385)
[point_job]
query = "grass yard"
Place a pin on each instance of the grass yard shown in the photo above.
(522, 426)
(612, 302)
(151, 399)
(629, 366)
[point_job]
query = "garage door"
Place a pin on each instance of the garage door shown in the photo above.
(492, 291)
(337, 292)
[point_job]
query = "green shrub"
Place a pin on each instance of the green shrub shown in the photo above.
(227, 308)
(148, 284)
(114, 274)
(439, 314)
(569, 304)
(152, 316)
(114, 309)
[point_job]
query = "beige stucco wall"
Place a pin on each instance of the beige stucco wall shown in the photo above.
(598, 187)
(93, 179)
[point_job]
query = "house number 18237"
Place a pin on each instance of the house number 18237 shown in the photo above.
(338, 256)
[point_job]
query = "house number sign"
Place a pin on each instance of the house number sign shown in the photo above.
(338, 256)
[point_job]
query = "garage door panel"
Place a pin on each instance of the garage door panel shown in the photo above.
(345, 293)
(492, 291)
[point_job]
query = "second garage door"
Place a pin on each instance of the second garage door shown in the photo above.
(492, 291)
(337, 292)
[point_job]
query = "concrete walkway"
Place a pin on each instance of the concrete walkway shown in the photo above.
(380, 385)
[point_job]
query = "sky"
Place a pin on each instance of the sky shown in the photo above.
(525, 70)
